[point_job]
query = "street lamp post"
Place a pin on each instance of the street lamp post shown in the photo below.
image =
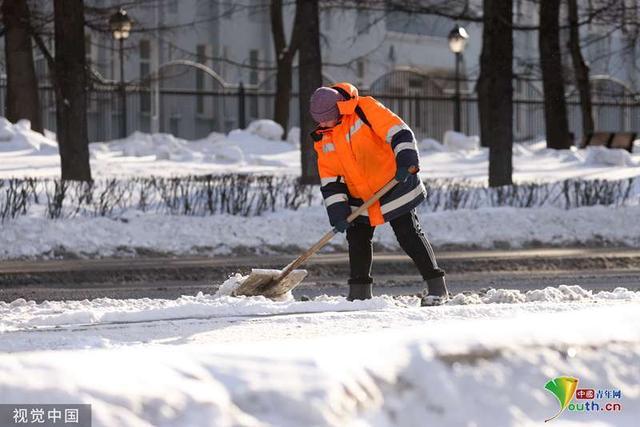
(120, 25)
(458, 38)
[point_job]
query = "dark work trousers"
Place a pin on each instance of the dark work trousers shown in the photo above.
(411, 238)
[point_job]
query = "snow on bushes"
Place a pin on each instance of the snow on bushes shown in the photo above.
(249, 195)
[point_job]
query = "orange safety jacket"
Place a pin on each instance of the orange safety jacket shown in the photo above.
(358, 156)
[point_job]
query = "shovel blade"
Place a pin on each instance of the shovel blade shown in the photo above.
(265, 283)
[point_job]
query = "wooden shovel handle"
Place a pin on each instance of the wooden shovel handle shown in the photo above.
(366, 205)
(327, 237)
(384, 190)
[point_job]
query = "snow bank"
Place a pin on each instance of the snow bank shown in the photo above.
(597, 156)
(562, 293)
(19, 139)
(293, 137)
(255, 145)
(262, 137)
(429, 144)
(456, 141)
(259, 149)
(267, 129)
(415, 369)
(227, 234)
(160, 146)
(21, 314)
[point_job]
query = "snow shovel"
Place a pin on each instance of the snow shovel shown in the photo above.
(275, 283)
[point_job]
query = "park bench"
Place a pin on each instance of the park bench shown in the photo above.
(622, 140)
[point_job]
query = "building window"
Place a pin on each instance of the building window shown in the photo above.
(362, 22)
(417, 24)
(87, 49)
(173, 6)
(41, 67)
(223, 63)
(326, 20)
(253, 63)
(201, 58)
(256, 14)
(227, 9)
(360, 69)
(174, 124)
(518, 11)
(144, 48)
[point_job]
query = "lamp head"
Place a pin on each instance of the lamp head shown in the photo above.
(458, 38)
(120, 24)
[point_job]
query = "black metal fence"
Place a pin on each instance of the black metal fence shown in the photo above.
(194, 114)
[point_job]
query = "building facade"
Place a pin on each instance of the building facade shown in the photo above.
(185, 61)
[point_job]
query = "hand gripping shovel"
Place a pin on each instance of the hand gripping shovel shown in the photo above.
(275, 283)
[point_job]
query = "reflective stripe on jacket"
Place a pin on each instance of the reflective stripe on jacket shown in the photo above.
(361, 154)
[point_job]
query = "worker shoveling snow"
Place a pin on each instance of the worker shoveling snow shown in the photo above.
(276, 284)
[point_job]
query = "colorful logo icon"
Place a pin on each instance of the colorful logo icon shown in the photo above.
(563, 388)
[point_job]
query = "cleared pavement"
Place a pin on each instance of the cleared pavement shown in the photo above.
(593, 268)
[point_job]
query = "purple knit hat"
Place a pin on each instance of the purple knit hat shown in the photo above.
(323, 105)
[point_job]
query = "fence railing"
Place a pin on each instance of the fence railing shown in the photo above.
(194, 114)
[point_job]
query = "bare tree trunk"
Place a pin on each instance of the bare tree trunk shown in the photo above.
(310, 78)
(22, 99)
(555, 106)
(284, 60)
(581, 70)
(70, 81)
(495, 89)
(483, 89)
(283, 92)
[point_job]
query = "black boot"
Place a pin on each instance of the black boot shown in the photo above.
(436, 292)
(360, 291)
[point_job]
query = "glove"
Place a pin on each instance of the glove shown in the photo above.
(403, 173)
(342, 226)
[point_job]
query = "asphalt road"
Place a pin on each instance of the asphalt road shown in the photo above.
(596, 269)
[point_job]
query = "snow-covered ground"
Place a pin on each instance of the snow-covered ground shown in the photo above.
(203, 360)
(259, 149)
(287, 230)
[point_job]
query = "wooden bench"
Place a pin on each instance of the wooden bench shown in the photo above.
(622, 140)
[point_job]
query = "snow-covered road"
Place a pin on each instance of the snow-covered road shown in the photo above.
(206, 360)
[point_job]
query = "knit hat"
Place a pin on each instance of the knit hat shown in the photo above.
(323, 105)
